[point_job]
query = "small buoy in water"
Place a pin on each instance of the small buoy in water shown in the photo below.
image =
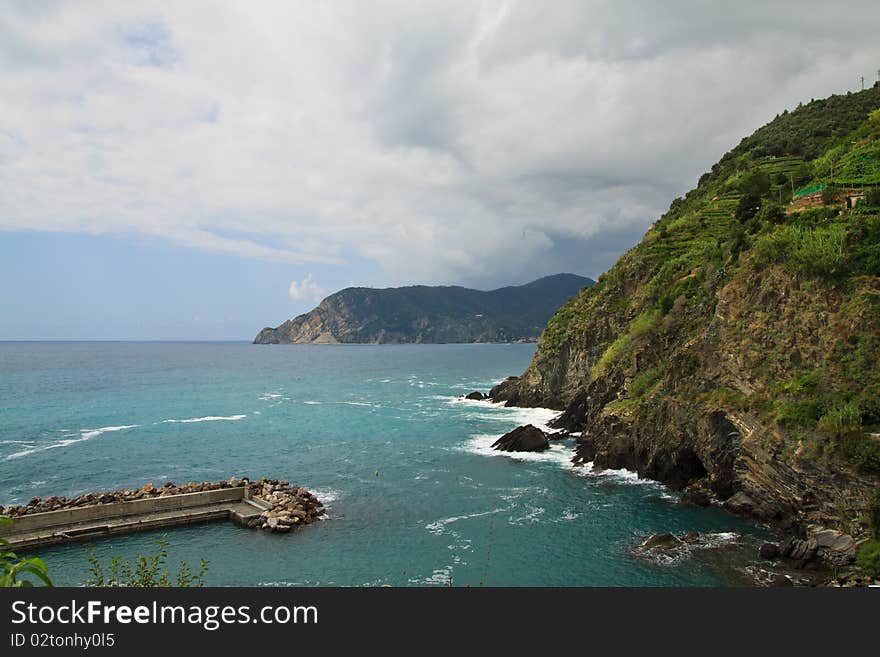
(376, 473)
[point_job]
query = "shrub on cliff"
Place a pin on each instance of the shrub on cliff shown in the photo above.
(829, 195)
(866, 244)
(868, 558)
(772, 213)
(874, 514)
(862, 451)
(748, 207)
(841, 420)
(810, 251)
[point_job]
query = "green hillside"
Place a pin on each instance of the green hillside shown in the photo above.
(736, 348)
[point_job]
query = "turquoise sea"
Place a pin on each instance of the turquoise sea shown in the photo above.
(379, 433)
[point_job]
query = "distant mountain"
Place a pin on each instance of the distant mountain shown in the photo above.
(425, 314)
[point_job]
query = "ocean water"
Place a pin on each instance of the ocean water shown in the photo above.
(380, 433)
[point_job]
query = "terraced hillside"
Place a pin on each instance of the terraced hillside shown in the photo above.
(735, 351)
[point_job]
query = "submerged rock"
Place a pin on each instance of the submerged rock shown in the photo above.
(528, 438)
(663, 548)
(476, 396)
(720, 549)
(664, 541)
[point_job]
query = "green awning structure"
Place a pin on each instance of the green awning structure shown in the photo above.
(806, 191)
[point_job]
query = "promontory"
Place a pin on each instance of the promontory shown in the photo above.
(430, 314)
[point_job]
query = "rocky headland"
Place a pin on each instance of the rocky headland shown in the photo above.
(429, 314)
(734, 354)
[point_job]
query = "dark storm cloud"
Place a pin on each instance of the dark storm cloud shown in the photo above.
(467, 142)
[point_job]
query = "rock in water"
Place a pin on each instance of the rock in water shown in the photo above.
(476, 396)
(663, 541)
(523, 439)
(662, 548)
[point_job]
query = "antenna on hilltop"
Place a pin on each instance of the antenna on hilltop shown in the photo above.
(863, 83)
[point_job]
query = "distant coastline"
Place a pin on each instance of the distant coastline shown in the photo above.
(422, 314)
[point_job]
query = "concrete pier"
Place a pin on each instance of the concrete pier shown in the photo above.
(95, 521)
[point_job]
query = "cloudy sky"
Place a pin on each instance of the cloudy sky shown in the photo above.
(200, 170)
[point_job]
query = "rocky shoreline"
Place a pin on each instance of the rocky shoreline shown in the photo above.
(824, 555)
(286, 506)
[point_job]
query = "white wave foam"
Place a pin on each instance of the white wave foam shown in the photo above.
(353, 403)
(533, 514)
(539, 417)
(326, 496)
(438, 526)
(478, 403)
(441, 576)
(718, 539)
(88, 434)
(313, 403)
(84, 434)
(269, 396)
(619, 476)
(16, 442)
(558, 453)
(208, 418)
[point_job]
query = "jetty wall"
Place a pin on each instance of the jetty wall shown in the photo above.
(88, 514)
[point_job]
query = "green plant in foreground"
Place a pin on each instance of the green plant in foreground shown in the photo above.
(146, 571)
(15, 571)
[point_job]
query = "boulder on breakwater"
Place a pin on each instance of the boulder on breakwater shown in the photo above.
(291, 507)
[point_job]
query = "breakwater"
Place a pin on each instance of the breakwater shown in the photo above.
(265, 504)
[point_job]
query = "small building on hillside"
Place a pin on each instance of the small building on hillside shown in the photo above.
(853, 199)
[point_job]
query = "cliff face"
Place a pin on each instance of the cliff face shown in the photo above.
(735, 350)
(421, 314)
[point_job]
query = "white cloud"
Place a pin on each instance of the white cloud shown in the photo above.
(306, 290)
(443, 141)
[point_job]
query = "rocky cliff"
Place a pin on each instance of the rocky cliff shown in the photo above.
(734, 352)
(424, 314)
